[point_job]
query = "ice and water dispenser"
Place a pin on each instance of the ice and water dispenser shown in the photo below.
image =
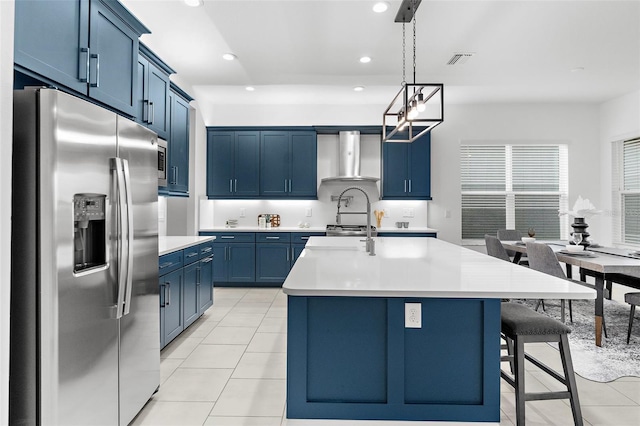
(89, 231)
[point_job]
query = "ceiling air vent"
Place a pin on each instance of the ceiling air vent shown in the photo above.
(459, 58)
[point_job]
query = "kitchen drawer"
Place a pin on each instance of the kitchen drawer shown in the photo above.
(170, 262)
(232, 237)
(303, 237)
(206, 249)
(191, 254)
(273, 237)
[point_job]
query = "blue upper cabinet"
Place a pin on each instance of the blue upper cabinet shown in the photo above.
(152, 95)
(87, 46)
(406, 170)
(288, 164)
(233, 164)
(178, 170)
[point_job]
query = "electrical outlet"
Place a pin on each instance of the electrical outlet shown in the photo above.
(307, 212)
(413, 315)
(407, 213)
(386, 212)
(243, 212)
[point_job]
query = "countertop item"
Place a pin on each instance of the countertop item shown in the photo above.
(417, 267)
(174, 243)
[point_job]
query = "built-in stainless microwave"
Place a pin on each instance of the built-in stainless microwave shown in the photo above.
(162, 162)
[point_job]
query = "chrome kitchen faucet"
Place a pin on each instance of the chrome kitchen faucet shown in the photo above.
(370, 243)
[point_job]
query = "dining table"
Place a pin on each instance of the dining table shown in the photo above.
(605, 264)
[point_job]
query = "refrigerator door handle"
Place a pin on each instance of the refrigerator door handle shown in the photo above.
(129, 216)
(116, 164)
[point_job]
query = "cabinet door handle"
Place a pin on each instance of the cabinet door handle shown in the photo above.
(152, 112)
(285, 185)
(304, 238)
(96, 56)
(192, 254)
(272, 238)
(230, 185)
(235, 185)
(405, 185)
(409, 185)
(207, 259)
(162, 295)
(167, 294)
(164, 265)
(206, 250)
(229, 253)
(288, 255)
(227, 237)
(198, 275)
(84, 79)
(175, 174)
(289, 185)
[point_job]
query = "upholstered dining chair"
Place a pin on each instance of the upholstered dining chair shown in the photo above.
(495, 248)
(511, 235)
(543, 259)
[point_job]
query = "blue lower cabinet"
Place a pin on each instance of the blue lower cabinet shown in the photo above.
(273, 262)
(190, 293)
(353, 358)
(171, 317)
(273, 256)
(234, 258)
(205, 288)
(243, 259)
(186, 288)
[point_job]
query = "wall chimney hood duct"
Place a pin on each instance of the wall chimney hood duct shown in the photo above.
(349, 160)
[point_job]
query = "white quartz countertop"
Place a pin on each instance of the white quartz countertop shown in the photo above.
(417, 229)
(171, 244)
(417, 267)
(256, 229)
(410, 229)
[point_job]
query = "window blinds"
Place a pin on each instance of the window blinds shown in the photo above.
(513, 187)
(626, 194)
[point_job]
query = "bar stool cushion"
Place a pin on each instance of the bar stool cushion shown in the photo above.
(520, 320)
(632, 298)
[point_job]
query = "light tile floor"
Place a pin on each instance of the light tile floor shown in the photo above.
(229, 369)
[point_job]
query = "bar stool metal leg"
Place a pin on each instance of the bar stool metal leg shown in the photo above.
(633, 311)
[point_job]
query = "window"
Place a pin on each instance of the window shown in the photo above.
(626, 192)
(513, 187)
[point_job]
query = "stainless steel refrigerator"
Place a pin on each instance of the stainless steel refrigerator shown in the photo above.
(85, 339)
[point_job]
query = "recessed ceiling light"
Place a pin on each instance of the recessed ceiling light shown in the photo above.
(249, 88)
(365, 59)
(229, 56)
(358, 88)
(193, 3)
(380, 7)
(577, 69)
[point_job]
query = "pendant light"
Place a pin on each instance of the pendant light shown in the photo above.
(418, 107)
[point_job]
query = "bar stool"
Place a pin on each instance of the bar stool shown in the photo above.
(521, 325)
(633, 299)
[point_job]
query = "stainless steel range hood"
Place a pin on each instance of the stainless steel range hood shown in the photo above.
(349, 160)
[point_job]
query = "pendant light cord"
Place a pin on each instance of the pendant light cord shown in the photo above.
(404, 77)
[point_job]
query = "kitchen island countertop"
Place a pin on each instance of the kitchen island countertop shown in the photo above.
(417, 267)
(168, 244)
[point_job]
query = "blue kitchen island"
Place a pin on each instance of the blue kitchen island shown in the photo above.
(412, 333)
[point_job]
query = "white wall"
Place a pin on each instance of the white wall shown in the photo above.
(574, 124)
(6, 125)
(619, 120)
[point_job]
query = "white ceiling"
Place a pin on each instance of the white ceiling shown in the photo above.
(307, 51)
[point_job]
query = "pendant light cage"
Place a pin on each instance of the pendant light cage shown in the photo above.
(418, 107)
